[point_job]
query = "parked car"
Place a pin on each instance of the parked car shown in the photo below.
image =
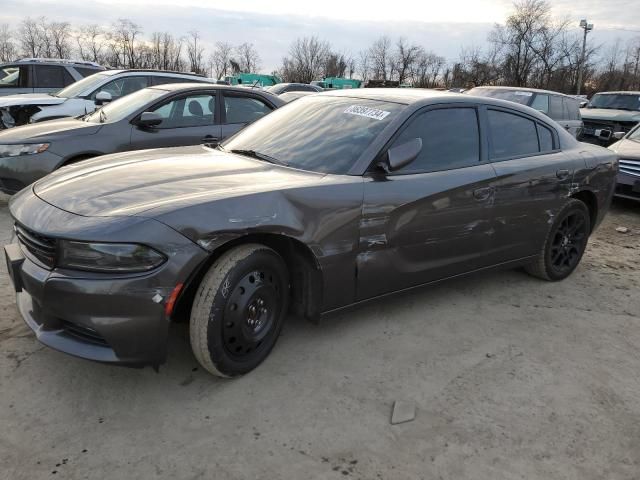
(562, 108)
(628, 148)
(331, 200)
(610, 113)
(293, 87)
(163, 116)
(291, 96)
(42, 75)
(84, 96)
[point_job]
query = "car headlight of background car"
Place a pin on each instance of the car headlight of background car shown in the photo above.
(108, 257)
(22, 149)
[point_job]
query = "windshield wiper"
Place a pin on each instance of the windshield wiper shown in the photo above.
(259, 156)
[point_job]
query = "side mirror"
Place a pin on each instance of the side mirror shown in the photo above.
(103, 97)
(618, 135)
(402, 155)
(149, 120)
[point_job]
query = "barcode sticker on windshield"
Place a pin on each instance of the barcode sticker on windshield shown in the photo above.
(523, 94)
(367, 112)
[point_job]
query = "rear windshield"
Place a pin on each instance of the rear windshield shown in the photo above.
(318, 133)
(518, 96)
(615, 102)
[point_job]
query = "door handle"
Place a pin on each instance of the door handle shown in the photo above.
(210, 139)
(562, 174)
(482, 193)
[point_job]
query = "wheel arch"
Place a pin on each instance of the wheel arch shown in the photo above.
(591, 201)
(306, 278)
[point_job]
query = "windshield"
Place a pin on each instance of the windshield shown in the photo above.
(318, 133)
(634, 134)
(81, 86)
(518, 96)
(615, 101)
(125, 106)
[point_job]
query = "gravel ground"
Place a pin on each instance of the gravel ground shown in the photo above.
(510, 378)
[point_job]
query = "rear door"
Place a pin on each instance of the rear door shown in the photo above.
(533, 181)
(239, 109)
(190, 119)
(433, 218)
(571, 109)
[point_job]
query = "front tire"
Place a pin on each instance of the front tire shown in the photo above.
(565, 243)
(239, 309)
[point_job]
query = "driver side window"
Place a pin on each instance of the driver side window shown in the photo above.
(450, 139)
(190, 111)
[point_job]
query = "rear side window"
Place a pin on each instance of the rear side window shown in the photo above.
(511, 135)
(244, 109)
(85, 72)
(546, 139)
(14, 76)
(571, 109)
(450, 139)
(160, 80)
(50, 76)
(556, 108)
(541, 103)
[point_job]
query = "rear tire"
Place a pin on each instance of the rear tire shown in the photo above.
(565, 243)
(239, 310)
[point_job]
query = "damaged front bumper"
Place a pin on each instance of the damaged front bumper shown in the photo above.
(113, 318)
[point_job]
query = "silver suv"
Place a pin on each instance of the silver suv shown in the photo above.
(43, 75)
(562, 108)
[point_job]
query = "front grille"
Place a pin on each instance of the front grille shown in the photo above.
(83, 333)
(630, 167)
(41, 247)
(608, 125)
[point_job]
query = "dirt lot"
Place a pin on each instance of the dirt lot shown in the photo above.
(511, 378)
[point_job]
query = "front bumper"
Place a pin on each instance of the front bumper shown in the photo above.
(111, 318)
(628, 184)
(18, 172)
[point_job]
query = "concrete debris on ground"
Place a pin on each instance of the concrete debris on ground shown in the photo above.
(402, 412)
(622, 230)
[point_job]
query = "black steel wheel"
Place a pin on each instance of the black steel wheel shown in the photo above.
(239, 310)
(565, 243)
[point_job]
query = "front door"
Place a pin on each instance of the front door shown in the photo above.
(186, 120)
(433, 218)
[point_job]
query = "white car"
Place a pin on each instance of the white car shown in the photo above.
(85, 96)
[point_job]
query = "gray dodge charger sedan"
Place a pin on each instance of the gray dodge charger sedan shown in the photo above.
(334, 199)
(163, 116)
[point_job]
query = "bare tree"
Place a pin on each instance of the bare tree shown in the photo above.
(220, 59)
(30, 37)
(124, 43)
(60, 37)
(247, 57)
(307, 60)
(405, 58)
(195, 52)
(381, 59)
(90, 40)
(8, 49)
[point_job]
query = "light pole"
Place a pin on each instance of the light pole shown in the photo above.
(587, 27)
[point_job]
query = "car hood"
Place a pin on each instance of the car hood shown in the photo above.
(51, 130)
(609, 114)
(30, 99)
(627, 148)
(140, 182)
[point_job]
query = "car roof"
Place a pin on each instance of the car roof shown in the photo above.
(524, 89)
(618, 93)
(55, 61)
(152, 71)
(178, 87)
(406, 96)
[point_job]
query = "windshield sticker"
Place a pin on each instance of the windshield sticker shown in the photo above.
(524, 94)
(367, 112)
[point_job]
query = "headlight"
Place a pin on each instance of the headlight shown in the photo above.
(108, 257)
(23, 149)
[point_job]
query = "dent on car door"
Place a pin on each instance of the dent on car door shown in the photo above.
(432, 219)
(533, 181)
(186, 120)
(240, 110)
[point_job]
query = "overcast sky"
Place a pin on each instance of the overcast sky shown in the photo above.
(350, 25)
